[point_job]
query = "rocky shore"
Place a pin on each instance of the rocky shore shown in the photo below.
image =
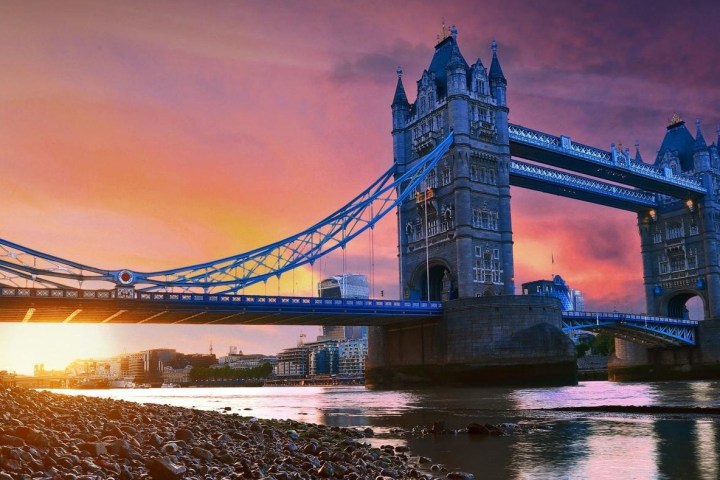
(45, 435)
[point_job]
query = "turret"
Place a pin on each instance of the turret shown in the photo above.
(400, 104)
(498, 88)
(498, 84)
(701, 156)
(400, 111)
(456, 69)
(638, 158)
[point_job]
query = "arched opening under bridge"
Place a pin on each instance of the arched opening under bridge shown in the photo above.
(688, 305)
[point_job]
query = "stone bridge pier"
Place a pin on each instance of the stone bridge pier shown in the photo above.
(480, 341)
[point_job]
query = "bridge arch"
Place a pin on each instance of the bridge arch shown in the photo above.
(687, 304)
(443, 282)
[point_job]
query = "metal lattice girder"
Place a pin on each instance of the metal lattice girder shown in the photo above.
(566, 184)
(22, 267)
(648, 330)
(616, 160)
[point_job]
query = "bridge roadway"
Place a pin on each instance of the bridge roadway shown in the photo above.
(106, 306)
(31, 305)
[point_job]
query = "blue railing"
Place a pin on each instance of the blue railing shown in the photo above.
(277, 303)
(652, 329)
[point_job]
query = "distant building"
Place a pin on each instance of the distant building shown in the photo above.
(237, 359)
(350, 285)
(293, 362)
(323, 358)
(342, 358)
(177, 376)
(570, 300)
(353, 354)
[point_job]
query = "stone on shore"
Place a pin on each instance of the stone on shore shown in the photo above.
(47, 435)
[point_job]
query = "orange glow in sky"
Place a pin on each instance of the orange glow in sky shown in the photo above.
(155, 135)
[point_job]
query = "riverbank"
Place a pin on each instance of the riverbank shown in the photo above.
(49, 435)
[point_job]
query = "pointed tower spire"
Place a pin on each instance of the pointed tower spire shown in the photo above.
(700, 143)
(496, 73)
(400, 97)
(638, 158)
(456, 58)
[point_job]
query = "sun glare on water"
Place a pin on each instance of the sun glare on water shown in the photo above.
(22, 346)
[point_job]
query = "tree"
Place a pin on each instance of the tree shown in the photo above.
(603, 344)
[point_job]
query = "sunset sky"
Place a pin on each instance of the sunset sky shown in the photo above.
(151, 135)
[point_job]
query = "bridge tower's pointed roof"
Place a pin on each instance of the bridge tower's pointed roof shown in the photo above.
(700, 143)
(447, 52)
(638, 158)
(496, 73)
(400, 98)
(679, 140)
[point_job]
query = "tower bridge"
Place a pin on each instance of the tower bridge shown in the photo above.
(456, 157)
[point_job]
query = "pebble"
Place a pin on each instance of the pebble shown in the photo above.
(46, 435)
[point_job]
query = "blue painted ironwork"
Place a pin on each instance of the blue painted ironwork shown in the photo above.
(619, 163)
(110, 306)
(22, 267)
(582, 188)
(644, 329)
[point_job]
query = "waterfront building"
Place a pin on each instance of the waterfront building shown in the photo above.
(176, 376)
(293, 362)
(7, 379)
(323, 358)
(570, 300)
(352, 357)
(237, 359)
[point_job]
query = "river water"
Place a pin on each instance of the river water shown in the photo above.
(565, 445)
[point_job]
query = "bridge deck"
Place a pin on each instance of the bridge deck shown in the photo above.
(89, 306)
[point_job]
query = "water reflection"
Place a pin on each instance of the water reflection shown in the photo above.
(593, 445)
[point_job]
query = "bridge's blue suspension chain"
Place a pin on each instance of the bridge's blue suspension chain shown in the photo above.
(24, 267)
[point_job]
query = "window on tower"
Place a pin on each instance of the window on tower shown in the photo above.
(674, 230)
(485, 220)
(487, 265)
(474, 171)
(446, 175)
(432, 179)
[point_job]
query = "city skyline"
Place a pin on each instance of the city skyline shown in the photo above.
(154, 136)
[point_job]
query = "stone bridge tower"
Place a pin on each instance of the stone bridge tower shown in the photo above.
(680, 240)
(455, 243)
(680, 244)
(455, 236)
